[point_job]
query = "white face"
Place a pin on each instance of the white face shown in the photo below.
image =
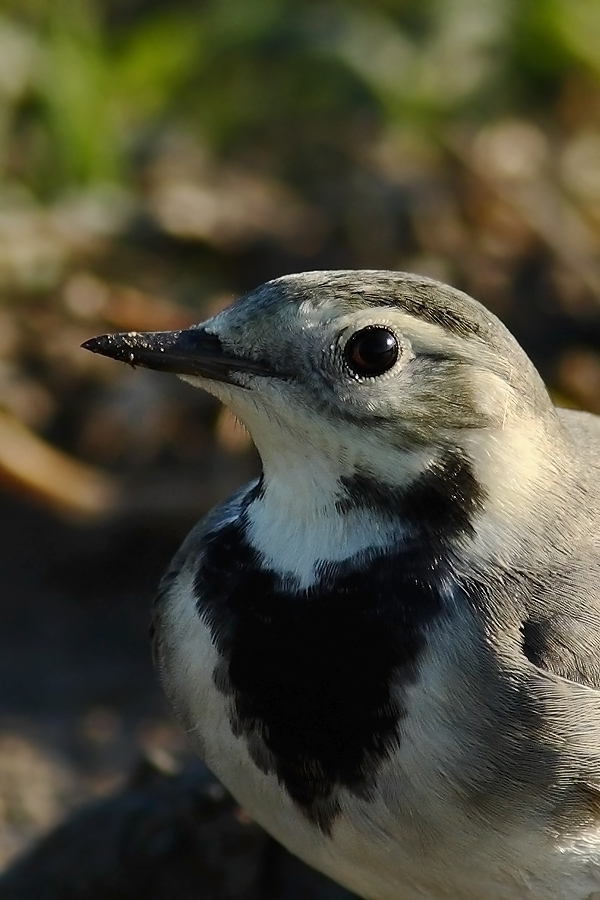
(359, 382)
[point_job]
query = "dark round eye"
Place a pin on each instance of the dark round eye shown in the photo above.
(372, 350)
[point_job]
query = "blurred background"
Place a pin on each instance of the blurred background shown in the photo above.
(156, 161)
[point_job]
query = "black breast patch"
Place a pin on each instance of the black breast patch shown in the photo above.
(310, 673)
(439, 506)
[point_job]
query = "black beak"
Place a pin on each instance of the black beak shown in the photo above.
(191, 352)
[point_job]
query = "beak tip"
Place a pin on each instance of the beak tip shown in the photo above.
(111, 345)
(93, 344)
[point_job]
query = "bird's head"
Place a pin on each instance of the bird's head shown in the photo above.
(356, 377)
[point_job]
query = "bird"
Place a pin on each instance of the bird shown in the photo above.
(387, 646)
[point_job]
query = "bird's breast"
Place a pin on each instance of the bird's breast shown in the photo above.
(334, 715)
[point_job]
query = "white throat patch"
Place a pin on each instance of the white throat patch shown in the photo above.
(296, 526)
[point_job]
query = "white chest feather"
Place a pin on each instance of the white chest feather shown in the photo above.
(294, 532)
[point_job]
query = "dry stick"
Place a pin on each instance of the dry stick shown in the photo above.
(53, 477)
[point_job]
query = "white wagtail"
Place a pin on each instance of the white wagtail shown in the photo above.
(388, 646)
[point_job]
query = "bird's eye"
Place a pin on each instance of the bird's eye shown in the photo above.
(372, 350)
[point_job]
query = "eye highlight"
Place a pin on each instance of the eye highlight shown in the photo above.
(372, 351)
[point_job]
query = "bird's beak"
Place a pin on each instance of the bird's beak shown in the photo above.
(194, 351)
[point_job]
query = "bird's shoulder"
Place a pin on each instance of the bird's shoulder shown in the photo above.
(189, 558)
(565, 643)
(559, 583)
(218, 520)
(583, 429)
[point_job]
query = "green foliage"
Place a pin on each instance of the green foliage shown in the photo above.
(260, 77)
(577, 25)
(77, 95)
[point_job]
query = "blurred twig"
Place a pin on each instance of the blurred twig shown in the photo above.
(33, 466)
